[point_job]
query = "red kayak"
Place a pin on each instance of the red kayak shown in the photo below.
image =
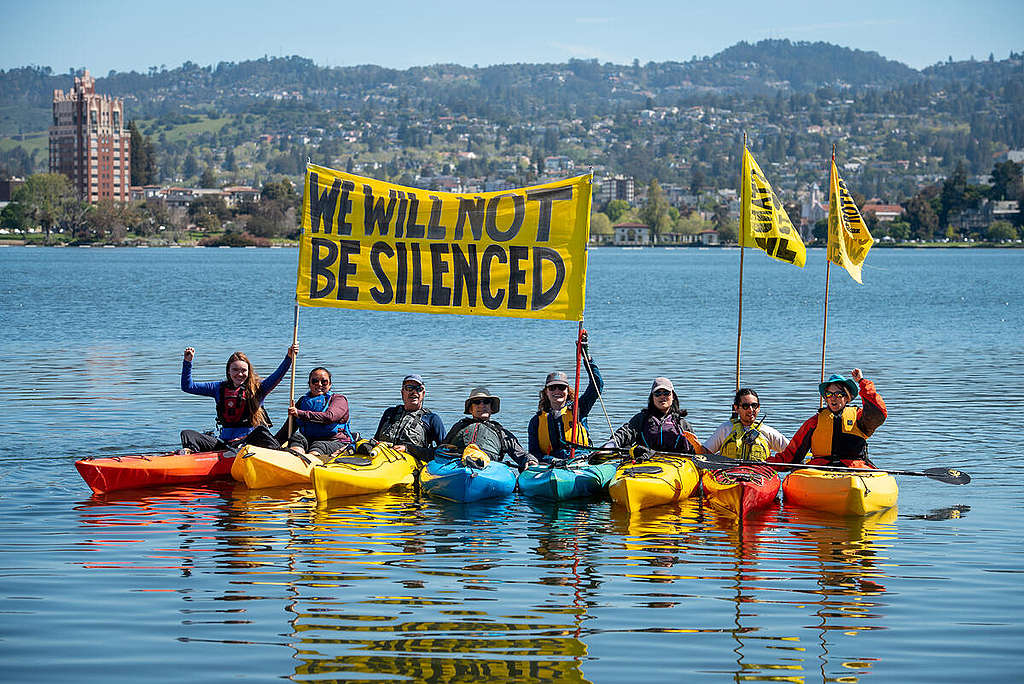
(741, 489)
(152, 470)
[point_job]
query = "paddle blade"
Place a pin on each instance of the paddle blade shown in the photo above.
(948, 475)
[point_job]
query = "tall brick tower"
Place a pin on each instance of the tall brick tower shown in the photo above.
(88, 143)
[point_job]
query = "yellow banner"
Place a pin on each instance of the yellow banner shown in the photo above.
(848, 237)
(367, 244)
(763, 222)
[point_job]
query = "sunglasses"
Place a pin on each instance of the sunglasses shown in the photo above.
(319, 381)
(753, 405)
(478, 402)
(662, 393)
(413, 388)
(558, 388)
(830, 395)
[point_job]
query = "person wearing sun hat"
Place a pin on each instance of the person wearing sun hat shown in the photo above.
(662, 426)
(487, 435)
(837, 434)
(551, 427)
(410, 424)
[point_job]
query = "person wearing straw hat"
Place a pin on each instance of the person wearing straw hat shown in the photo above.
(410, 425)
(837, 434)
(487, 435)
(662, 426)
(551, 427)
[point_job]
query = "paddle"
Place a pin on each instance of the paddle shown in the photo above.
(628, 451)
(948, 475)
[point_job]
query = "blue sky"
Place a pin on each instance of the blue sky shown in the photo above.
(399, 34)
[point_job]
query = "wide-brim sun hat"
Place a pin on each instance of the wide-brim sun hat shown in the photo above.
(836, 379)
(482, 393)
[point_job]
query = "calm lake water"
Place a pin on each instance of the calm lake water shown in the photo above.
(222, 583)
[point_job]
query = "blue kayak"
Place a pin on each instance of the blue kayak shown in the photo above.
(449, 478)
(559, 484)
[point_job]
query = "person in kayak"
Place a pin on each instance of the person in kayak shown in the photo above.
(319, 419)
(837, 434)
(239, 398)
(662, 426)
(488, 435)
(551, 427)
(743, 436)
(410, 426)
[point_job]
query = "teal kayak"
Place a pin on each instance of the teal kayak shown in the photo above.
(561, 483)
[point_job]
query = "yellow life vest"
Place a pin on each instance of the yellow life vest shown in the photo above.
(842, 439)
(735, 448)
(544, 436)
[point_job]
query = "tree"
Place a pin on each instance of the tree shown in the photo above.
(922, 217)
(13, 217)
(616, 209)
(208, 212)
(191, 166)
(600, 224)
(143, 157)
(45, 197)
(697, 180)
(728, 231)
(953, 196)
(655, 211)
(208, 180)
(1002, 231)
(692, 224)
(1006, 182)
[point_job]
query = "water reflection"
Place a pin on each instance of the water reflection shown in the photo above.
(394, 586)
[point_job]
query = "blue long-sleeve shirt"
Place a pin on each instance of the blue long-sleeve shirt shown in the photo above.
(587, 401)
(212, 389)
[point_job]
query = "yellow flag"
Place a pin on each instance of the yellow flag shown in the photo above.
(367, 244)
(763, 221)
(848, 237)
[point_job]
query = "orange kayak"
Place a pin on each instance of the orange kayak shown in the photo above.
(152, 470)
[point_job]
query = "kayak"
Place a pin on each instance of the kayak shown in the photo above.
(740, 489)
(258, 467)
(659, 480)
(840, 493)
(350, 475)
(450, 478)
(559, 484)
(152, 470)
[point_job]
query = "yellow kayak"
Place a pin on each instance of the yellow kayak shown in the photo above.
(258, 467)
(660, 480)
(384, 468)
(840, 493)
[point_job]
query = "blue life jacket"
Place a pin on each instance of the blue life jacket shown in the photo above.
(313, 430)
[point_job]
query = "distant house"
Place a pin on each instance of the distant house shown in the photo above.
(885, 213)
(239, 194)
(709, 237)
(632, 234)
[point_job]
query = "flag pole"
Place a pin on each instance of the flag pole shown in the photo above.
(828, 270)
(576, 396)
(739, 321)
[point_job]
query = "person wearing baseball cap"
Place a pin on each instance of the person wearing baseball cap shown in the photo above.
(837, 434)
(662, 426)
(411, 425)
(487, 434)
(551, 428)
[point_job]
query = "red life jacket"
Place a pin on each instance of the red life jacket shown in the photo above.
(233, 407)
